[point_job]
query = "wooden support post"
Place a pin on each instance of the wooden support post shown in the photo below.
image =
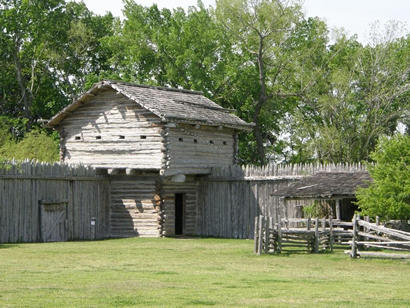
(331, 239)
(260, 233)
(366, 230)
(271, 232)
(338, 208)
(267, 234)
(377, 223)
(309, 223)
(279, 237)
(353, 254)
(255, 235)
(316, 235)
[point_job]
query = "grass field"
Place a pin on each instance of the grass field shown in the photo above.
(192, 272)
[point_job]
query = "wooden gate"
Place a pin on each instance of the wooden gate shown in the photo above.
(53, 221)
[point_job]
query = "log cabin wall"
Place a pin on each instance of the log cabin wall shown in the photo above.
(189, 190)
(134, 211)
(193, 147)
(111, 131)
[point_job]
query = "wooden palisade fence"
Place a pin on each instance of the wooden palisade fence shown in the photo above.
(230, 198)
(368, 235)
(52, 202)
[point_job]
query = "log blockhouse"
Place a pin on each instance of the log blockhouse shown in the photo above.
(154, 143)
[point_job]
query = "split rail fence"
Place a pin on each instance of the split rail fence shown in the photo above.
(368, 235)
(324, 235)
(300, 235)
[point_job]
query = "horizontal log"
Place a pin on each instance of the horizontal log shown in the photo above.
(381, 229)
(383, 255)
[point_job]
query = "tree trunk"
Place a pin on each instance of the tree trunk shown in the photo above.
(26, 96)
(257, 131)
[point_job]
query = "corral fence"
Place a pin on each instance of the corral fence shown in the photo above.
(230, 198)
(313, 235)
(52, 202)
(300, 235)
(367, 235)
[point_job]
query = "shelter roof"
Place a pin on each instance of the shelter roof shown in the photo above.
(325, 185)
(171, 105)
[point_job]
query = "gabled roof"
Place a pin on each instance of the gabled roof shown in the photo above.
(325, 185)
(169, 104)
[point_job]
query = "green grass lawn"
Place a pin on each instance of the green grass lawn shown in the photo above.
(192, 272)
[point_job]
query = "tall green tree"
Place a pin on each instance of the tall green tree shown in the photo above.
(276, 63)
(364, 96)
(389, 194)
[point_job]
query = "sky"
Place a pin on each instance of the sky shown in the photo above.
(355, 16)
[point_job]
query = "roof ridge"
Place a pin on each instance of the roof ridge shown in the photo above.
(151, 87)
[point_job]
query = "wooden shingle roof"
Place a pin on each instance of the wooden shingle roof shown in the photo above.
(325, 185)
(171, 105)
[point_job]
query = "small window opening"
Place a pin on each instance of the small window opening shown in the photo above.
(224, 142)
(211, 141)
(98, 137)
(195, 140)
(180, 139)
(77, 138)
(122, 137)
(143, 137)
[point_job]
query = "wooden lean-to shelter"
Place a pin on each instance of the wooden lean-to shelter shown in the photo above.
(337, 189)
(153, 143)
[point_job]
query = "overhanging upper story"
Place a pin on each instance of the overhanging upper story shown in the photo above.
(117, 125)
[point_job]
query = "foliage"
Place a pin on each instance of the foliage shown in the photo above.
(310, 100)
(35, 145)
(389, 194)
(166, 272)
(272, 40)
(364, 95)
(318, 209)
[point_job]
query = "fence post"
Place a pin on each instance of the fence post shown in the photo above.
(260, 233)
(317, 234)
(255, 235)
(279, 236)
(366, 229)
(308, 224)
(331, 239)
(354, 239)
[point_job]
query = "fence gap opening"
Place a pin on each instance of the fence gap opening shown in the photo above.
(179, 213)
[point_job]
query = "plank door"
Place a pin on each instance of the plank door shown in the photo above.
(53, 216)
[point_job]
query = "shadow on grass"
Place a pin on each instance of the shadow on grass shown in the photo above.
(4, 246)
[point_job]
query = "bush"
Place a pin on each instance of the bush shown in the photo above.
(35, 145)
(389, 194)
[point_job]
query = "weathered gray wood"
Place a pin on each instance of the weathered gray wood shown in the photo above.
(331, 236)
(355, 237)
(256, 235)
(395, 233)
(267, 220)
(29, 182)
(383, 255)
(260, 234)
(316, 247)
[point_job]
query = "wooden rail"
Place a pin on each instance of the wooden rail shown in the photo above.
(369, 235)
(314, 236)
(318, 235)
